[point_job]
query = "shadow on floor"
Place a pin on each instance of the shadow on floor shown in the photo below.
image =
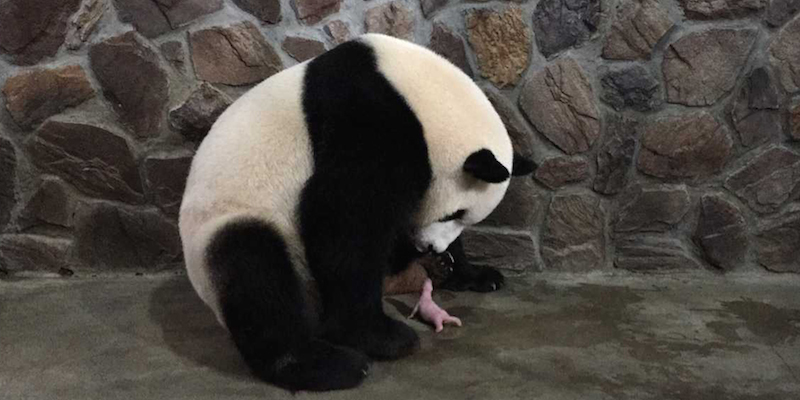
(190, 329)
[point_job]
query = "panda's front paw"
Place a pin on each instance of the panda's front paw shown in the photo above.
(474, 278)
(488, 280)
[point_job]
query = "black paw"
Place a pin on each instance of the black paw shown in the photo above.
(319, 366)
(488, 280)
(382, 338)
(474, 278)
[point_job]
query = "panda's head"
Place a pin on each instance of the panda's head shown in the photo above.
(469, 148)
(462, 198)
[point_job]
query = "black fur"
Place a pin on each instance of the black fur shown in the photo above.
(522, 165)
(483, 165)
(371, 171)
(466, 276)
(249, 259)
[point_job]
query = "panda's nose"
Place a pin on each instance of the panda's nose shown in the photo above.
(430, 248)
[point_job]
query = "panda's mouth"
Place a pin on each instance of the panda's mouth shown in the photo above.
(422, 250)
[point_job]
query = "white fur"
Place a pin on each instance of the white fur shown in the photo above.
(257, 157)
(438, 236)
(253, 162)
(458, 120)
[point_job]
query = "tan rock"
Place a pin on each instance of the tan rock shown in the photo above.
(692, 145)
(302, 49)
(700, 68)
(33, 96)
(312, 11)
(556, 172)
(393, 19)
(502, 44)
(560, 103)
(640, 24)
(233, 55)
(338, 31)
(572, 238)
(719, 9)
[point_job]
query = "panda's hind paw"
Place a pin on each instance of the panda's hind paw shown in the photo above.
(319, 366)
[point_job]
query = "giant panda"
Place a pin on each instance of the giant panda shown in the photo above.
(318, 182)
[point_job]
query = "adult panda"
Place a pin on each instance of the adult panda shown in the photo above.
(322, 179)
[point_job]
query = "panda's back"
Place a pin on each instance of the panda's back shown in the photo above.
(243, 163)
(254, 162)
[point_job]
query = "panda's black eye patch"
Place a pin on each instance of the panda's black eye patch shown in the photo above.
(456, 215)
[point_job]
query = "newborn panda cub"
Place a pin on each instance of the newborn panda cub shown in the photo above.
(305, 181)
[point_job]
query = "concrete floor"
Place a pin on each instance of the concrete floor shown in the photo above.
(542, 337)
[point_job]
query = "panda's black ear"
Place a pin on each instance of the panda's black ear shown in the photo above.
(483, 165)
(522, 165)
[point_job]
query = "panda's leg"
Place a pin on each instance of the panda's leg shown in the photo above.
(466, 276)
(348, 248)
(352, 297)
(263, 308)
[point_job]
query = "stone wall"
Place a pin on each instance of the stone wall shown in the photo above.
(665, 131)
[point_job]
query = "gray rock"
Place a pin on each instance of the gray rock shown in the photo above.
(560, 103)
(173, 52)
(722, 9)
(393, 19)
(652, 208)
(754, 112)
(182, 12)
(24, 252)
(521, 207)
(781, 11)
(122, 64)
(653, 254)
(94, 160)
(701, 67)
(555, 172)
(165, 175)
(144, 15)
(234, 55)
(450, 46)
(721, 232)
(778, 241)
(521, 135)
(266, 10)
(686, 146)
(768, 181)
(572, 238)
(561, 24)
(199, 111)
(632, 87)
(37, 94)
(615, 155)
(109, 237)
(501, 42)
(639, 25)
(312, 11)
(510, 251)
(431, 6)
(155, 17)
(8, 167)
(31, 30)
(52, 203)
(785, 55)
(302, 49)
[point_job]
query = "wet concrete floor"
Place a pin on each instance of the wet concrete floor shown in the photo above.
(542, 337)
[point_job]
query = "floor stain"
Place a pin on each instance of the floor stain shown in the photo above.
(773, 324)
